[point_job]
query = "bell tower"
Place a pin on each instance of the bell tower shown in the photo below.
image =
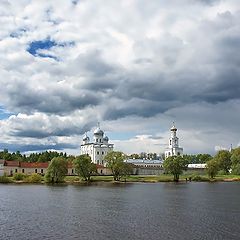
(173, 144)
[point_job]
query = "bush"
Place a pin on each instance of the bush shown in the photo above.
(221, 172)
(5, 179)
(34, 178)
(19, 176)
(236, 169)
(198, 178)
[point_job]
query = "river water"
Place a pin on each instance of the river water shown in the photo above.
(121, 211)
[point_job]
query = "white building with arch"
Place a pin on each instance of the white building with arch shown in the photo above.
(173, 144)
(98, 148)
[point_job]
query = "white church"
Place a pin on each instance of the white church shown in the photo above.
(173, 147)
(97, 149)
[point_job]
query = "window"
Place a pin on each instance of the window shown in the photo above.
(178, 153)
(102, 153)
(97, 153)
(72, 171)
(170, 142)
(35, 170)
(15, 170)
(41, 170)
(96, 140)
(22, 170)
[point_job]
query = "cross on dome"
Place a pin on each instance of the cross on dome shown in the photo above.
(173, 128)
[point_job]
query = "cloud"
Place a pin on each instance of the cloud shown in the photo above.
(115, 62)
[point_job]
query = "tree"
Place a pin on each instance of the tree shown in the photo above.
(203, 158)
(84, 167)
(56, 170)
(175, 165)
(198, 159)
(115, 161)
(212, 168)
(235, 161)
(223, 157)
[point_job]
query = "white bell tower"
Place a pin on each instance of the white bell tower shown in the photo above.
(173, 147)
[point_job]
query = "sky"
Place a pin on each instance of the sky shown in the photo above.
(135, 66)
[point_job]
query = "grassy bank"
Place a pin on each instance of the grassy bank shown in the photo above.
(159, 178)
(137, 178)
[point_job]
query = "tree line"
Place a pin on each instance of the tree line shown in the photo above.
(46, 156)
(224, 162)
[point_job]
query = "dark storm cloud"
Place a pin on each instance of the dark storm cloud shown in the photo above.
(208, 2)
(213, 76)
(59, 131)
(58, 101)
(99, 77)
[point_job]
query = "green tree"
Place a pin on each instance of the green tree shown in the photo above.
(115, 161)
(223, 157)
(212, 168)
(57, 170)
(175, 165)
(84, 167)
(235, 161)
(203, 158)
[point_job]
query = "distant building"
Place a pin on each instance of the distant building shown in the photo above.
(1, 167)
(11, 167)
(173, 147)
(97, 149)
(146, 167)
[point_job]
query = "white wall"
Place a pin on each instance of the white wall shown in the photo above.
(1, 170)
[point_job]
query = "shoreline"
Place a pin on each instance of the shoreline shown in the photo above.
(71, 180)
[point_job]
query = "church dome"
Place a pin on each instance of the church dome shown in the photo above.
(173, 128)
(86, 138)
(105, 139)
(98, 131)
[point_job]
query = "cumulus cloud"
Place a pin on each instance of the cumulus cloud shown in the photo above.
(64, 67)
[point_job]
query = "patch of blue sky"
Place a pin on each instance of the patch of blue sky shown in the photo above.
(4, 114)
(47, 44)
(120, 135)
(36, 45)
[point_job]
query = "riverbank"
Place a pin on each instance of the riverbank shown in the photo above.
(167, 178)
(137, 178)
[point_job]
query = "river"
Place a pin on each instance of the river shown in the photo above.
(121, 211)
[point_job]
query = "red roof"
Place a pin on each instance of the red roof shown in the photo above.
(11, 163)
(34, 165)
